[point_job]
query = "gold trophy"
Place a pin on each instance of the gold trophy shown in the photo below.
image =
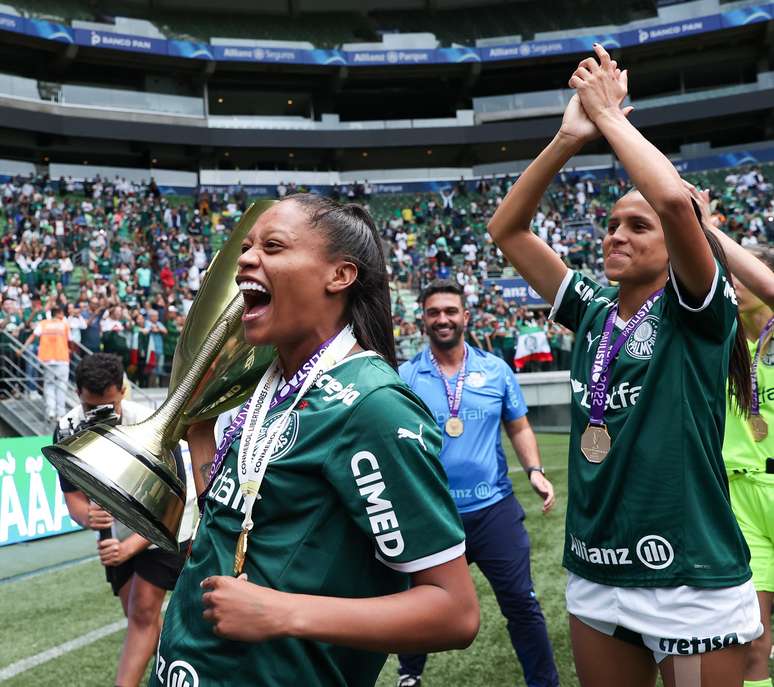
(130, 471)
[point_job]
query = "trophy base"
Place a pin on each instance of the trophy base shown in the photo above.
(134, 487)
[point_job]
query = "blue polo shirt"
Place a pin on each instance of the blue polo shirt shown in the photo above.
(475, 462)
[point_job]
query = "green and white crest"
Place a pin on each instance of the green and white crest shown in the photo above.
(642, 341)
(287, 438)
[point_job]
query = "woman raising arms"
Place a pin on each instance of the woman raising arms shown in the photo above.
(659, 574)
(353, 502)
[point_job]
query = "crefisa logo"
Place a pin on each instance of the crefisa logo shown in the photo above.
(95, 38)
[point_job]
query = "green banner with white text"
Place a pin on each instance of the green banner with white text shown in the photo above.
(31, 502)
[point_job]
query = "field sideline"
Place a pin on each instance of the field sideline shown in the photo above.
(63, 606)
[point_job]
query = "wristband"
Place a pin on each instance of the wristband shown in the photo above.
(535, 468)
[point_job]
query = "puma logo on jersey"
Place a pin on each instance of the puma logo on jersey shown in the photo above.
(408, 434)
(600, 556)
(591, 341)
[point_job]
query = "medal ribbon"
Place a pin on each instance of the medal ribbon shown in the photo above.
(606, 353)
(295, 383)
(453, 399)
(254, 451)
(756, 406)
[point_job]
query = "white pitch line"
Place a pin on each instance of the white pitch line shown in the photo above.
(73, 645)
(95, 635)
(50, 654)
(48, 569)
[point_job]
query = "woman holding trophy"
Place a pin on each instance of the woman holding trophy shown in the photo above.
(322, 498)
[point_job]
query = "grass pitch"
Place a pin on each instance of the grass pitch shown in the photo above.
(52, 608)
(42, 612)
(490, 660)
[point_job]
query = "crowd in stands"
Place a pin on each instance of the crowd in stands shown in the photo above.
(127, 261)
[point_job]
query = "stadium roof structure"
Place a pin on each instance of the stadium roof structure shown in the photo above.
(296, 7)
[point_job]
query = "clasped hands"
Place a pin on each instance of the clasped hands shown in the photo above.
(600, 89)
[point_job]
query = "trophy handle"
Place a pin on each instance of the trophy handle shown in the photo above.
(129, 470)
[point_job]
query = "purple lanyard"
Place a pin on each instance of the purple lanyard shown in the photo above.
(285, 391)
(756, 406)
(606, 353)
(454, 400)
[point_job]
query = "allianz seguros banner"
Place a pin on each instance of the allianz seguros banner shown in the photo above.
(31, 502)
(529, 49)
(514, 289)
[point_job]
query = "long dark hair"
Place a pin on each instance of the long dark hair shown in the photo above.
(351, 235)
(739, 384)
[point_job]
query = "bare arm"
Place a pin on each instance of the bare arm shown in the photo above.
(201, 444)
(651, 172)
(78, 507)
(440, 611)
(525, 445)
(753, 273)
(20, 352)
(85, 512)
(510, 226)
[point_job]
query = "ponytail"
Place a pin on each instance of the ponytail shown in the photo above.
(739, 384)
(352, 236)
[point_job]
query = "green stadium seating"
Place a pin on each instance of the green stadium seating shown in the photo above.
(328, 30)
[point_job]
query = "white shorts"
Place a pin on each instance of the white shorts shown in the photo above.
(677, 621)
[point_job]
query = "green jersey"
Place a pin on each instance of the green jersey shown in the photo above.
(740, 450)
(354, 500)
(655, 512)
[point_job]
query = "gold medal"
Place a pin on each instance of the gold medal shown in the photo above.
(595, 443)
(241, 552)
(454, 427)
(758, 427)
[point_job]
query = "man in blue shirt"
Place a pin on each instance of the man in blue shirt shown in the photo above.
(472, 394)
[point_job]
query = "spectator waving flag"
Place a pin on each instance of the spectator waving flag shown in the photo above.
(532, 346)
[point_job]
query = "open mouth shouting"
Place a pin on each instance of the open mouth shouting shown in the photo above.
(257, 298)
